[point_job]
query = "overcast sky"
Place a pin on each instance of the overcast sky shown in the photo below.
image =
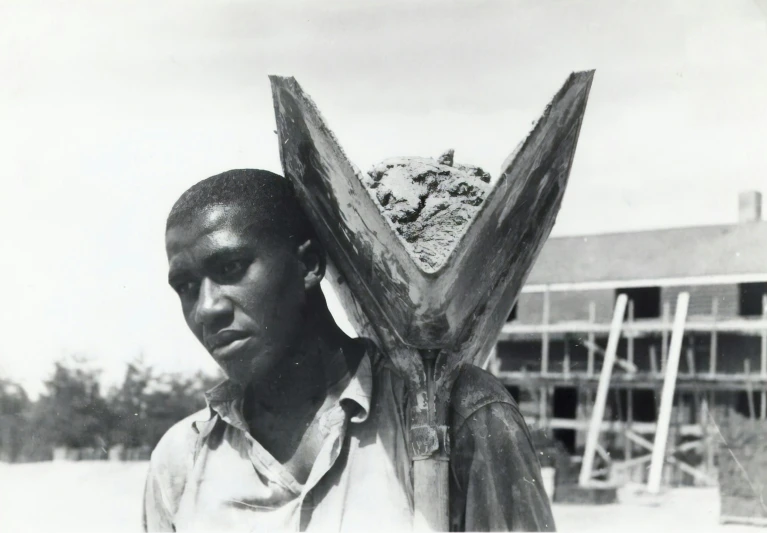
(111, 109)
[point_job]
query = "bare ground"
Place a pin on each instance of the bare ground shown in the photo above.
(105, 496)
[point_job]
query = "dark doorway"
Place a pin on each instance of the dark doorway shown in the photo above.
(743, 407)
(644, 405)
(565, 406)
(646, 301)
(750, 298)
(643, 401)
(514, 391)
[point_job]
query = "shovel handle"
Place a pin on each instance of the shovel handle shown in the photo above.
(430, 445)
(430, 491)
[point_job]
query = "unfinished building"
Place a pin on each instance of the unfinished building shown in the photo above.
(551, 351)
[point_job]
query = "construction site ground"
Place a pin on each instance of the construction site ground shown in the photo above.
(106, 496)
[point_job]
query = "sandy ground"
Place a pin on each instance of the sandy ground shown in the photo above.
(104, 496)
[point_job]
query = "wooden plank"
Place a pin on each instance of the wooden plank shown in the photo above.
(646, 428)
(764, 358)
(674, 440)
(667, 395)
(664, 336)
(430, 495)
(690, 361)
(603, 454)
(714, 336)
(630, 338)
(749, 390)
(604, 383)
(581, 422)
(591, 339)
(625, 365)
(669, 458)
(625, 381)
(544, 393)
(654, 371)
(628, 447)
(697, 407)
(636, 461)
(545, 335)
(697, 324)
(705, 415)
(694, 472)
(646, 444)
(591, 352)
(687, 281)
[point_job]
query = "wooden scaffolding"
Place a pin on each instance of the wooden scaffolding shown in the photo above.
(651, 450)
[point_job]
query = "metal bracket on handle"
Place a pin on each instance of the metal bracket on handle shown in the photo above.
(429, 432)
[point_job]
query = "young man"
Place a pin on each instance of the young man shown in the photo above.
(308, 432)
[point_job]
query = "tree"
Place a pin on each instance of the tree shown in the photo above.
(148, 403)
(72, 411)
(174, 398)
(14, 403)
(128, 405)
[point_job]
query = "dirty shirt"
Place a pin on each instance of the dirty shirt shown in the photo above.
(208, 473)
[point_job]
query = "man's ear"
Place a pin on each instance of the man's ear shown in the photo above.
(312, 257)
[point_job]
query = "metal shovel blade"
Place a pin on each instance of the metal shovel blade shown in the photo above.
(460, 307)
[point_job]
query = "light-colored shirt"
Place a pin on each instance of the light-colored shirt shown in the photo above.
(208, 473)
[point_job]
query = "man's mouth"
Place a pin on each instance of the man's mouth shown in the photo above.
(225, 341)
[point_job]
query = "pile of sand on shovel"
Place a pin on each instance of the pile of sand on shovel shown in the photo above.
(429, 202)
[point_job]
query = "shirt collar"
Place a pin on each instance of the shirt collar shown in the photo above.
(225, 399)
(359, 389)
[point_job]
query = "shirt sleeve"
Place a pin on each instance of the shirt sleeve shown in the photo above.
(155, 516)
(496, 482)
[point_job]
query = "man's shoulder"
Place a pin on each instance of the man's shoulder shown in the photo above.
(179, 442)
(473, 388)
(170, 465)
(476, 388)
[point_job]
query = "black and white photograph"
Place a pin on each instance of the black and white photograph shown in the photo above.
(423, 265)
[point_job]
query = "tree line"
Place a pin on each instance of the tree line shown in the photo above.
(74, 412)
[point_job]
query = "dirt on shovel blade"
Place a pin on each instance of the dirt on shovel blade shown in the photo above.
(430, 202)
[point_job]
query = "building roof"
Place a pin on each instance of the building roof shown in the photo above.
(705, 251)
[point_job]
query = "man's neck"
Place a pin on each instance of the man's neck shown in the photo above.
(306, 372)
(280, 410)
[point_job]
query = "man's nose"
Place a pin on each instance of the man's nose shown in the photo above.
(212, 305)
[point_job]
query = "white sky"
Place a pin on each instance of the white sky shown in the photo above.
(109, 110)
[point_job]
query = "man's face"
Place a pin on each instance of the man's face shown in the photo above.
(241, 293)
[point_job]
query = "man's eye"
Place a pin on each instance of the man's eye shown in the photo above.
(185, 288)
(232, 268)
